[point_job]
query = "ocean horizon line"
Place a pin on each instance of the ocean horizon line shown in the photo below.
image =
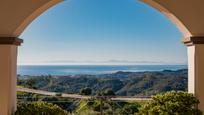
(97, 64)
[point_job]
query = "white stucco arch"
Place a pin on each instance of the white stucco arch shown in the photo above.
(183, 29)
(16, 15)
(21, 13)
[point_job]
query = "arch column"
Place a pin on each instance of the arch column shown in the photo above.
(8, 66)
(195, 47)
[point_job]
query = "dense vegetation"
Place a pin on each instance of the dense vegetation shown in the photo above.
(121, 83)
(169, 103)
(39, 108)
(64, 103)
(92, 106)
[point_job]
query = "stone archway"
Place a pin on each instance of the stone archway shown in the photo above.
(187, 15)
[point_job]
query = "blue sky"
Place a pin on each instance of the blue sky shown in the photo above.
(102, 32)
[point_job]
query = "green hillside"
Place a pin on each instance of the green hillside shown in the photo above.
(122, 83)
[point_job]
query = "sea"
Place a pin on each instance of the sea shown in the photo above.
(36, 70)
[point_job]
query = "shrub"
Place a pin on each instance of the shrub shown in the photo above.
(130, 108)
(86, 91)
(171, 103)
(107, 92)
(39, 108)
(58, 94)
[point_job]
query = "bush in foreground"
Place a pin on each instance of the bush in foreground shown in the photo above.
(171, 103)
(39, 108)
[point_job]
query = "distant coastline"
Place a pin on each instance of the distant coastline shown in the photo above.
(90, 69)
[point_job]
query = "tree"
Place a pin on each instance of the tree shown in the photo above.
(86, 91)
(171, 103)
(131, 108)
(31, 83)
(109, 92)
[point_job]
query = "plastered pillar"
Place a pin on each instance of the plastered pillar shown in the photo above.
(8, 65)
(195, 46)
